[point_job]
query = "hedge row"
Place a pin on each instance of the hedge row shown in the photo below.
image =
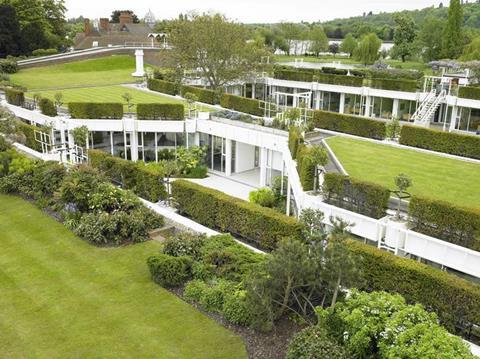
(15, 97)
(295, 139)
(214, 209)
(242, 104)
(440, 141)
(47, 107)
(446, 221)
(453, 299)
(91, 110)
(203, 95)
(162, 86)
(160, 111)
(354, 125)
(469, 92)
(306, 167)
(317, 76)
(29, 133)
(361, 197)
(131, 175)
(394, 84)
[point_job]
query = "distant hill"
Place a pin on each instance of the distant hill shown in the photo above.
(382, 23)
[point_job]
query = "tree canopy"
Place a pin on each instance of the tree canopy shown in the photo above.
(404, 36)
(452, 36)
(368, 49)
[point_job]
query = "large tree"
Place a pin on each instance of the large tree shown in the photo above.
(452, 36)
(368, 48)
(217, 48)
(404, 36)
(319, 41)
(349, 45)
(430, 38)
(10, 37)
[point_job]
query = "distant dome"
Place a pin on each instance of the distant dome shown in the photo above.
(150, 18)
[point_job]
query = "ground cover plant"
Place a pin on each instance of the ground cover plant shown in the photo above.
(60, 295)
(433, 176)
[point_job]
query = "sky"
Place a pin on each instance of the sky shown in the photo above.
(248, 11)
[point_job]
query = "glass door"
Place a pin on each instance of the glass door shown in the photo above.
(218, 153)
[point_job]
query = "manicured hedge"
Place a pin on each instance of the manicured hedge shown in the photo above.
(317, 76)
(131, 175)
(295, 139)
(446, 221)
(441, 141)
(242, 104)
(354, 125)
(15, 97)
(306, 167)
(452, 298)
(362, 197)
(162, 86)
(44, 52)
(169, 271)
(469, 92)
(214, 209)
(29, 133)
(204, 95)
(47, 107)
(161, 111)
(92, 110)
(394, 85)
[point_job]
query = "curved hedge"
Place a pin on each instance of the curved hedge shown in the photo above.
(354, 125)
(47, 107)
(160, 111)
(446, 221)
(15, 97)
(469, 92)
(441, 141)
(162, 86)
(214, 209)
(455, 300)
(203, 95)
(92, 110)
(242, 104)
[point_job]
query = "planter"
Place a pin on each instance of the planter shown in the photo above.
(395, 233)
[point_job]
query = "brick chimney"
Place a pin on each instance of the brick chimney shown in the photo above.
(104, 24)
(125, 18)
(86, 26)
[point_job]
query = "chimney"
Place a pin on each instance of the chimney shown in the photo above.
(125, 18)
(104, 24)
(86, 26)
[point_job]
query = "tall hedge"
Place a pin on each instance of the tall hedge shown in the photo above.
(441, 141)
(161, 111)
(469, 92)
(131, 175)
(47, 107)
(354, 125)
(162, 86)
(242, 104)
(92, 110)
(214, 209)
(306, 167)
(361, 197)
(394, 84)
(306, 75)
(204, 95)
(15, 97)
(295, 139)
(446, 221)
(452, 298)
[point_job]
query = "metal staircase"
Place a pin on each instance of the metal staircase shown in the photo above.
(428, 107)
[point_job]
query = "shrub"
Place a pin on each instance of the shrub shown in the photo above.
(455, 300)
(203, 95)
(185, 244)
(446, 221)
(15, 97)
(440, 141)
(194, 290)
(354, 125)
(469, 92)
(394, 84)
(362, 197)
(197, 172)
(242, 104)
(295, 139)
(306, 167)
(160, 111)
(91, 110)
(215, 209)
(235, 308)
(162, 86)
(263, 197)
(213, 297)
(47, 107)
(4, 145)
(28, 131)
(313, 343)
(44, 52)
(8, 66)
(169, 271)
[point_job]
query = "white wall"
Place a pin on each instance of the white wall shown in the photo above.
(244, 157)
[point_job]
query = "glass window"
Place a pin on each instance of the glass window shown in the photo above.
(118, 144)
(149, 146)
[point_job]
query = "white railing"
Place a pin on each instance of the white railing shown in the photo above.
(293, 178)
(427, 108)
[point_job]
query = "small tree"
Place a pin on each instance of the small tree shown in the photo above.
(191, 101)
(334, 48)
(80, 135)
(404, 36)
(402, 182)
(393, 129)
(58, 97)
(319, 158)
(368, 48)
(313, 229)
(349, 45)
(127, 96)
(319, 40)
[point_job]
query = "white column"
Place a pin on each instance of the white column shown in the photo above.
(368, 103)
(289, 198)
(453, 121)
(253, 90)
(342, 103)
(140, 72)
(317, 104)
(263, 167)
(295, 98)
(395, 108)
(134, 145)
(228, 157)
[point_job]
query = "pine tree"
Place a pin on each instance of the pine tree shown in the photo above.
(452, 37)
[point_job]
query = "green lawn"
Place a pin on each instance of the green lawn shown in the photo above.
(433, 176)
(63, 298)
(103, 71)
(111, 94)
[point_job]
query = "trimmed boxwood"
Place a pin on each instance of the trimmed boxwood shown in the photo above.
(394, 84)
(161, 111)
(169, 271)
(354, 125)
(469, 92)
(361, 197)
(242, 104)
(441, 141)
(162, 86)
(453, 299)
(47, 107)
(446, 221)
(15, 97)
(214, 209)
(92, 110)
(203, 95)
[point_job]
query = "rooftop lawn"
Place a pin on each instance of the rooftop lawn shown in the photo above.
(110, 70)
(112, 94)
(63, 298)
(433, 176)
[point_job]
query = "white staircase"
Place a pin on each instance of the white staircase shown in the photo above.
(428, 107)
